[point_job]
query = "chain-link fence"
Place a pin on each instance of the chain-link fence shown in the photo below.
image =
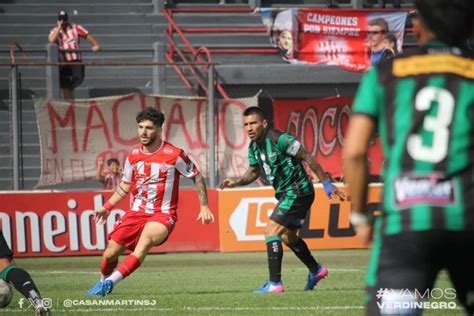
(115, 86)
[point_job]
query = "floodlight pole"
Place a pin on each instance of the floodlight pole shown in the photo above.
(211, 123)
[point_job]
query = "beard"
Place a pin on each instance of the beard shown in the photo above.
(148, 141)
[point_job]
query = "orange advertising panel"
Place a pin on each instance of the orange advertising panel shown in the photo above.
(244, 213)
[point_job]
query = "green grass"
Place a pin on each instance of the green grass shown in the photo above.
(207, 284)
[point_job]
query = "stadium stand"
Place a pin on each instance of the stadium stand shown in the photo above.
(133, 31)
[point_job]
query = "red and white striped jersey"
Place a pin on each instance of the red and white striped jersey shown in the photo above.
(155, 178)
(70, 39)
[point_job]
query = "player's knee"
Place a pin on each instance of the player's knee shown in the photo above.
(110, 256)
(274, 229)
(284, 239)
(288, 238)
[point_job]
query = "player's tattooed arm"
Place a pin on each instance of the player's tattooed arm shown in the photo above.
(205, 215)
(201, 188)
(249, 176)
(103, 212)
(312, 163)
(120, 192)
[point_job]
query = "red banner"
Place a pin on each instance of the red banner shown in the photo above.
(351, 39)
(61, 224)
(320, 126)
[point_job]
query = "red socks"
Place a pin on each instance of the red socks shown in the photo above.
(129, 264)
(108, 268)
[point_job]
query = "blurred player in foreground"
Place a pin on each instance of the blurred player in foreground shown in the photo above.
(20, 279)
(422, 103)
(152, 172)
(279, 156)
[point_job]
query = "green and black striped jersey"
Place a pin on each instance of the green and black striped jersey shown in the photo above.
(423, 104)
(275, 154)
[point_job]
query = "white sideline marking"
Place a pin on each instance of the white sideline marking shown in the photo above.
(336, 270)
(63, 272)
(96, 273)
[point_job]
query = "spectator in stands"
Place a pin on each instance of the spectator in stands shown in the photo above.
(390, 43)
(67, 35)
(111, 177)
(377, 28)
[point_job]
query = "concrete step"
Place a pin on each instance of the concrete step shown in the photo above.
(196, 39)
(84, 20)
(118, 28)
(103, 39)
(77, 8)
(93, 28)
(81, 1)
(217, 18)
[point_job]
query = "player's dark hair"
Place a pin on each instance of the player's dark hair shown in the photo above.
(255, 110)
(151, 114)
(449, 20)
(112, 160)
(380, 22)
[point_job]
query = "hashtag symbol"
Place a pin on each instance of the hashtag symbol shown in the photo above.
(381, 292)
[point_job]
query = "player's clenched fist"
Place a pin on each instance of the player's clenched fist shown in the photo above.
(227, 183)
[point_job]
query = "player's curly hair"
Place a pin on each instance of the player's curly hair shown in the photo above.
(151, 114)
(449, 20)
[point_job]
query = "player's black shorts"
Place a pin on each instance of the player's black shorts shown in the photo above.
(71, 76)
(5, 251)
(410, 261)
(291, 211)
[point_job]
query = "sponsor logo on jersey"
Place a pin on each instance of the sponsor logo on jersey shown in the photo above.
(168, 151)
(432, 189)
(272, 156)
(135, 151)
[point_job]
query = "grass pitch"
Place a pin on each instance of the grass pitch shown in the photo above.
(204, 284)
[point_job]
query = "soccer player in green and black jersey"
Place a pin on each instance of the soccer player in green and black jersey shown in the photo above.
(20, 279)
(279, 156)
(422, 103)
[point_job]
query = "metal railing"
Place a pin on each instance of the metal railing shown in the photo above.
(17, 63)
(175, 49)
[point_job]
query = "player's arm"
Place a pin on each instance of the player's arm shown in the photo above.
(314, 165)
(120, 192)
(356, 146)
(252, 174)
(205, 215)
(53, 36)
(359, 133)
(93, 41)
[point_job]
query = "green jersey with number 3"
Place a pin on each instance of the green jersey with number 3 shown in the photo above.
(423, 104)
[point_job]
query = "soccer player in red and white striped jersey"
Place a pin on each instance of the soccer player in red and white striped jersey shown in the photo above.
(67, 35)
(151, 174)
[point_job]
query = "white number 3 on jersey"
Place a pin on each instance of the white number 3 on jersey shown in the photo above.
(438, 125)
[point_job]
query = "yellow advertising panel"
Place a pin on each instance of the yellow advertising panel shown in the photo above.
(244, 213)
